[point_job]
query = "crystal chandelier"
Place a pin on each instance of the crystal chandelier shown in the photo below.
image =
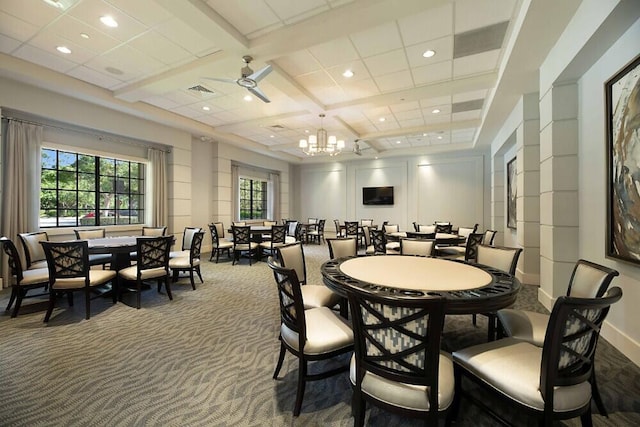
(321, 143)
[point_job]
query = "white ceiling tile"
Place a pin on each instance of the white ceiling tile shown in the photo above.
(7, 44)
(476, 64)
(360, 89)
(480, 13)
(334, 52)
(394, 81)
(313, 81)
(35, 12)
(71, 28)
(90, 11)
(409, 123)
(160, 48)
(330, 95)
(431, 24)
(433, 119)
(130, 61)
(442, 46)
(48, 42)
(408, 114)
(298, 63)
(430, 103)
(358, 68)
(145, 11)
(405, 106)
(375, 41)
(247, 16)
(162, 102)
(185, 36)
(91, 76)
(432, 73)
(470, 96)
(16, 28)
(43, 58)
(294, 10)
(387, 63)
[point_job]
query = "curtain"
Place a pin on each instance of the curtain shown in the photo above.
(235, 190)
(273, 193)
(158, 191)
(20, 210)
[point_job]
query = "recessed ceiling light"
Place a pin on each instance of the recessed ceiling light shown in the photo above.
(271, 136)
(435, 111)
(439, 136)
(63, 49)
(206, 108)
(428, 53)
(382, 119)
(398, 142)
(54, 3)
(306, 131)
(84, 35)
(348, 73)
(424, 134)
(248, 98)
(109, 21)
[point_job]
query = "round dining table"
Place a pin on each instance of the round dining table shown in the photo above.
(467, 288)
(441, 238)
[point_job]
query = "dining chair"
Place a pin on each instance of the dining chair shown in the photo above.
(33, 252)
(242, 243)
(154, 231)
(443, 227)
(550, 382)
(94, 233)
(379, 242)
(391, 228)
(502, 258)
(269, 223)
(311, 335)
(317, 234)
(489, 237)
(366, 222)
(420, 235)
(422, 228)
(69, 271)
(22, 281)
(292, 256)
(153, 263)
(341, 248)
(292, 225)
(339, 228)
(189, 263)
(218, 242)
(468, 252)
(187, 236)
(418, 247)
(588, 280)
(397, 362)
(368, 245)
(352, 230)
(278, 238)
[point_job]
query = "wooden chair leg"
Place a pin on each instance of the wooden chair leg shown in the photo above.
(302, 374)
(595, 393)
(12, 298)
(168, 286)
(87, 303)
(139, 293)
(52, 301)
(193, 283)
(199, 274)
(18, 297)
(283, 350)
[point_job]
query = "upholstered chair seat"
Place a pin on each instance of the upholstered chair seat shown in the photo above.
(96, 278)
(325, 332)
(131, 273)
(183, 262)
(189, 263)
(512, 367)
(38, 265)
(319, 296)
(409, 396)
(35, 275)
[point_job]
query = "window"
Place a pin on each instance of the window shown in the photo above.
(79, 189)
(253, 199)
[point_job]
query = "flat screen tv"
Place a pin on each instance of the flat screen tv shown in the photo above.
(377, 195)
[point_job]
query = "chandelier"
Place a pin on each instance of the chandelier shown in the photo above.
(321, 143)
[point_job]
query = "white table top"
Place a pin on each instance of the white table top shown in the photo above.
(416, 273)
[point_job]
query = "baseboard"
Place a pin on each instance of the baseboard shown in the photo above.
(614, 336)
(528, 278)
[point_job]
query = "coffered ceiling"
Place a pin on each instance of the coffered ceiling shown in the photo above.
(397, 102)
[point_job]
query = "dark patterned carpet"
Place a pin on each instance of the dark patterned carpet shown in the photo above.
(206, 359)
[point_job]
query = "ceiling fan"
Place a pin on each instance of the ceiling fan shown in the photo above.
(248, 79)
(357, 149)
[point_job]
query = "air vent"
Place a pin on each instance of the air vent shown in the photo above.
(480, 40)
(200, 88)
(459, 107)
(277, 127)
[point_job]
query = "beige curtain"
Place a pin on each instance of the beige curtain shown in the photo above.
(235, 186)
(273, 192)
(20, 209)
(159, 198)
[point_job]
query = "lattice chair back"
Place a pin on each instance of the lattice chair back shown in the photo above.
(502, 258)
(67, 260)
(336, 223)
(292, 256)
(153, 253)
(590, 280)
(300, 232)
(398, 339)
(33, 251)
(215, 237)
(188, 236)
(420, 235)
(379, 241)
(15, 265)
(351, 228)
(471, 249)
(196, 246)
(320, 226)
(342, 248)
(570, 342)
(442, 227)
(290, 298)
(241, 237)
(278, 234)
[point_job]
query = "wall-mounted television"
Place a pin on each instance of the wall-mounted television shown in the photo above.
(377, 195)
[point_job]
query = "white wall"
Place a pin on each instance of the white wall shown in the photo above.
(622, 324)
(426, 189)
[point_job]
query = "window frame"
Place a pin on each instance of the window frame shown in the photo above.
(127, 197)
(265, 199)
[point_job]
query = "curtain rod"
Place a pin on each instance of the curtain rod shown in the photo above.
(86, 131)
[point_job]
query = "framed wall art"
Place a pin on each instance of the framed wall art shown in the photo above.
(512, 193)
(622, 103)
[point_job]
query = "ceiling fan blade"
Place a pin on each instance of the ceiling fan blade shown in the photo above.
(219, 80)
(260, 94)
(261, 73)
